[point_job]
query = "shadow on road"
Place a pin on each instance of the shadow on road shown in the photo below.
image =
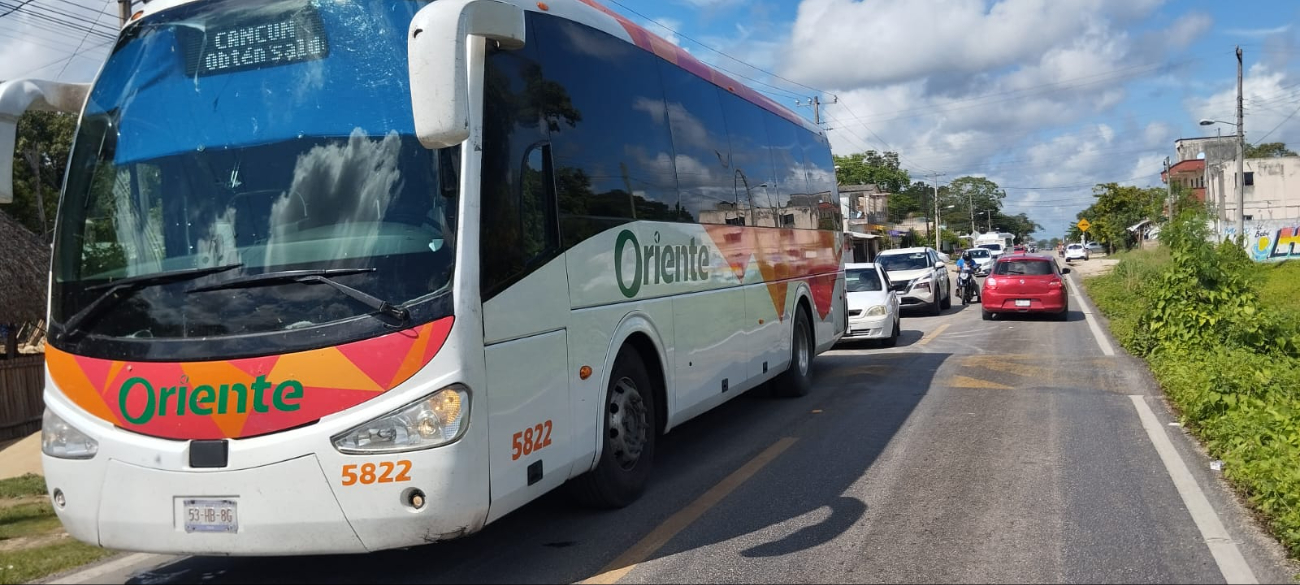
(859, 402)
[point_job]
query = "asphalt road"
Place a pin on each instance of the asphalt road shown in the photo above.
(1003, 451)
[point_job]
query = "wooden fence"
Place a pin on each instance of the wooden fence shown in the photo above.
(22, 380)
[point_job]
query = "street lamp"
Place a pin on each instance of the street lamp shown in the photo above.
(1241, 167)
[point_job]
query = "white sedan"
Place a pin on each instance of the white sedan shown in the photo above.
(873, 307)
(1075, 252)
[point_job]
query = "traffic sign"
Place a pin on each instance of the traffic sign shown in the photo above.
(1084, 225)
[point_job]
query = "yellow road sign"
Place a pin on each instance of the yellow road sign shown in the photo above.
(1084, 225)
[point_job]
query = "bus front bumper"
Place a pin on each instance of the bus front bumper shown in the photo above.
(290, 507)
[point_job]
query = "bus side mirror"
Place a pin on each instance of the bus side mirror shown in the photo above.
(438, 53)
(20, 95)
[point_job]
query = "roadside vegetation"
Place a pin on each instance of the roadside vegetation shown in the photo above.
(32, 542)
(1222, 336)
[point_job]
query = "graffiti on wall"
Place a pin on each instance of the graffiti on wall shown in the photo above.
(1275, 243)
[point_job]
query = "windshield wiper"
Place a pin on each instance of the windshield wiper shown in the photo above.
(312, 277)
(131, 284)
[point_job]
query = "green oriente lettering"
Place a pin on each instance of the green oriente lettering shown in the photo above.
(295, 392)
(199, 400)
(657, 264)
(223, 401)
(125, 392)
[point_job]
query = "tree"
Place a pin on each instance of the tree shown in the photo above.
(1117, 208)
(871, 168)
(41, 155)
(1268, 150)
(970, 196)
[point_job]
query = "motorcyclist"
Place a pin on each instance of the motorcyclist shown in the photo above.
(966, 268)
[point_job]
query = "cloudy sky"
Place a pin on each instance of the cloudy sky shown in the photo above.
(1045, 97)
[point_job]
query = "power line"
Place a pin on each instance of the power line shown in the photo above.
(1279, 125)
(59, 60)
(669, 29)
(15, 8)
(78, 49)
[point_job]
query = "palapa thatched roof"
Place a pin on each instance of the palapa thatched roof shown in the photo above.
(24, 273)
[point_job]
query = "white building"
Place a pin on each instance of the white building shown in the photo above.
(1272, 204)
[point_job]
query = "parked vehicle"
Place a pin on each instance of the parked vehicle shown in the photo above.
(873, 304)
(919, 277)
(1094, 248)
(1076, 252)
(1026, 284)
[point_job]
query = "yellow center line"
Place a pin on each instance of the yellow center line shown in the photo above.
(688, 515)
(933, 334)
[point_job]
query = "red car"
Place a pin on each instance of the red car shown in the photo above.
(1026, 284)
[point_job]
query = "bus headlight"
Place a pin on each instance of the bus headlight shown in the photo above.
(435, 420)
(60, 439)
(876, 311)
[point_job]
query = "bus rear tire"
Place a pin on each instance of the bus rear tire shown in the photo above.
(629, 431)
(796, 380)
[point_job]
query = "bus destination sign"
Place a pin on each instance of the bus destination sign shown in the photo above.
(281, 39)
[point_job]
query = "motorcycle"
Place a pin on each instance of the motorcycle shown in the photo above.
(966, 283)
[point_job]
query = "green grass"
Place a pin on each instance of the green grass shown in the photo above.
(26, 565)
(26, 512)
(1278, 285)
(26, 485)
(27, 519)
(1241, 402)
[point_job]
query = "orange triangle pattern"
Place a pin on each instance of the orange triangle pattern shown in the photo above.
(162, 396)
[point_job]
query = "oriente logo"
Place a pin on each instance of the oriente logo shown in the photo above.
(200, 399)
(656, 264)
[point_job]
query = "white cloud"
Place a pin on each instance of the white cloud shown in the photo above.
(31, 47)
(1269, 95)
(895, 40)
(1257, 32)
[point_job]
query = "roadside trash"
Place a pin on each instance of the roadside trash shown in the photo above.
(1175, 424)
(1216, 465)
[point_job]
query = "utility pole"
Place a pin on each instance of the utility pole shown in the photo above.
(936, 212)
(1241, 158)
(816, 103)
(970, 203)
(124, 12)
(1169, 185)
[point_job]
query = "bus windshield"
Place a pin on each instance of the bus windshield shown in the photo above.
(273, 136)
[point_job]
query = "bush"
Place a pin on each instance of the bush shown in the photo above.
(1221, 336)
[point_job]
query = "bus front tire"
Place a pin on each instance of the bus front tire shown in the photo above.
(796, 380)
(629, 428)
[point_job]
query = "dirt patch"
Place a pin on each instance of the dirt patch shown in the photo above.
(14, 502)
(1095, 266)
(29, 542)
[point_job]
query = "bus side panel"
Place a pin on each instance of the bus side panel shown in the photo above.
(528, 404)
(595, 336)
(711, 352)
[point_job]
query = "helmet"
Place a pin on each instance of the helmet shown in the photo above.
(965, 255)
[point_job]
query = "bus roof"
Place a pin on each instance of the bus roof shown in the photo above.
(596, 15)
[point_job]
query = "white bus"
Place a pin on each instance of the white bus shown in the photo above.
(311, 296)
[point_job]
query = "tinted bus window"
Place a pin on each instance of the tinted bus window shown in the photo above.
(789, 195)
(700, 143)
(518, 213)
(751, 159)
(821, 179)
(609, 129)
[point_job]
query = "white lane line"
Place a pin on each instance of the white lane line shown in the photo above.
(97, 573)
(1226, 555)
(1102, 342)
